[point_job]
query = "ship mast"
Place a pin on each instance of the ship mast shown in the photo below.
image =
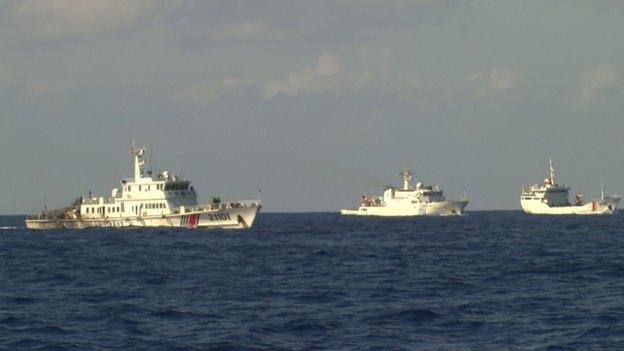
(407, 178)
(137, 153)
(551, 172)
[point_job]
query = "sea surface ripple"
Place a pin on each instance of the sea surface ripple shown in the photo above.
(484, 281)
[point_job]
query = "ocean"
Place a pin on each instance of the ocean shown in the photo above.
(319, 281)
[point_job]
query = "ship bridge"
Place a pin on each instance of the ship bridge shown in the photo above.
(144, 194)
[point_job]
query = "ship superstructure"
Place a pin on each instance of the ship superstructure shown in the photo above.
(408, 200)
(552, 198)
(163, 200)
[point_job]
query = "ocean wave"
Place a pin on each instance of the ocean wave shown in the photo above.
(411, 315)
(488, 281)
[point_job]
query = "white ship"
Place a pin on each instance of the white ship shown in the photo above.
(551, 198)
(165, 200)
(421, 200)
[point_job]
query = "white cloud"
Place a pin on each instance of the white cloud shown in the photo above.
(496, 81)
(295, 20)
(199, 95)
(258, 29)
(56, 19)
(597, 81)
(475, 77)
(310, 80)
(328, 65)
(203, 95)
(501, 80)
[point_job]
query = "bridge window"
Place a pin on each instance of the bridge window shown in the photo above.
(177, 186)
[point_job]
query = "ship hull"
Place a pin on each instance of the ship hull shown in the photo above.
(443, 208)
(594, 207)
(229, 218)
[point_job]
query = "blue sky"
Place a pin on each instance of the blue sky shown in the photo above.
(314, 102)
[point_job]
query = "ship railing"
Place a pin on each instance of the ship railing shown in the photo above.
(373, 205)
(92, 201)
(96, 201)
(223, 206)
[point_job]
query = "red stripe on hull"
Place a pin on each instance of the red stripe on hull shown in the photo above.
(192, 220)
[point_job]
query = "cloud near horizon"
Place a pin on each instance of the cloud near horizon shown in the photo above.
(51, 20)
(253, 30)
(598, 81)
(496, 81)
(310, 80)
(203, 95)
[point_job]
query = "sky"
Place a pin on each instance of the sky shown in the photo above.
(313, 102)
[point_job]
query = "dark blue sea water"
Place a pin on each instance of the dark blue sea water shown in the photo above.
(484, 281)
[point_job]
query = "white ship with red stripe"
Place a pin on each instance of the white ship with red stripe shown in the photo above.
(165, 200)
(551, 198)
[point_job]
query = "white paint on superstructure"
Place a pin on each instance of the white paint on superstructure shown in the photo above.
(408, 201)
(146, 200)
(552, 198)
